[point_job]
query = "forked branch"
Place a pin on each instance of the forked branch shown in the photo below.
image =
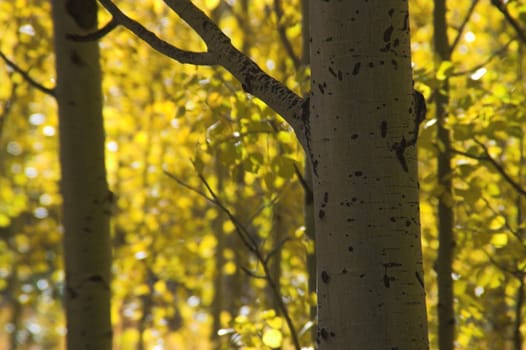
(251, 243)
(221, 52)
(25, 75)
(501, 6)
(500, 169)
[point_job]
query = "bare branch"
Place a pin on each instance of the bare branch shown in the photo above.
(252, 78)
(188, 187)
(26, 76)
(487, 157)
(264, 263)
(490, 58)
(501, 6)
(276, 249)
(501, 170)
(99, 34)
(462, 26)
(252, 245)
(182, 56)
(249, 241)
(221, 52)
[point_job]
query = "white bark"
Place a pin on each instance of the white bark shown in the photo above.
(86, 199)
(370, 289)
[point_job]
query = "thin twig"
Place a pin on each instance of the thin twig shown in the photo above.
(499, 4)
(97, 35)
(462, 26)
(497, 54)
(500, 169)
(248, 239)
(189, 187)
(25, 75)
(250, 242)
(276, 249)
(487, 157)
(273, 286)
(183, 56)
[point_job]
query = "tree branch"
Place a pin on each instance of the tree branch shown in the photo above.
(500, 169)
(487, 157)
(253, 79)
(496, 54)
(97, 35)
(499, 4)
(221, 52)
(167, 49)
(250, 242)
(26, 76)
(462, 26)
(283, 34)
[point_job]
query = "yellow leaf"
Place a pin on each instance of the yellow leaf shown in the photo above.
(499, 240)
(497, 222)
(275, 322)
(229, 268)
(268, 313)
(160, 287)
(211, 4)
(141, 289)
(272, 338)
(228, 227)
(4, 220)
(207, 246)
(445, 69)
(493, 190)
(241, 319)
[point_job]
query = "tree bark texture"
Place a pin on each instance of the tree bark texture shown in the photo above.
(362, 120)
(86, 198)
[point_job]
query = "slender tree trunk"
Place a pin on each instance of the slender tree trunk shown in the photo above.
(444, 263)
(362, 134)
(84, 188)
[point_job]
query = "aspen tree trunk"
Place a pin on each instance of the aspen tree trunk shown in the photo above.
(444, 263)
(86, 198)
(370, 279)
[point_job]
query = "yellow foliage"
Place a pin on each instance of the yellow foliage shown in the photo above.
(229, 268)
(272, 338)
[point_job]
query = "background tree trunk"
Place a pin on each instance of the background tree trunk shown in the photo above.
(446, 313)
(86, 198)
(362, 123)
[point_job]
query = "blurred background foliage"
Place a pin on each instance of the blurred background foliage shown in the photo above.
(182, 277)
